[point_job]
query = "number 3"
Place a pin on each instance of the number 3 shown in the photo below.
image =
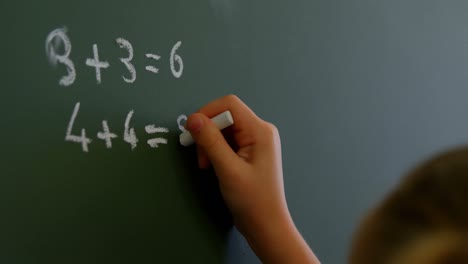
(125, 44)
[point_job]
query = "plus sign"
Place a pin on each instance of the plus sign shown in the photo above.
(97, 64)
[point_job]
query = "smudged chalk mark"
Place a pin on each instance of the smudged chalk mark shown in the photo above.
(52, 43)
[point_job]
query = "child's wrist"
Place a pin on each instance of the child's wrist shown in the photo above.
(268, 228)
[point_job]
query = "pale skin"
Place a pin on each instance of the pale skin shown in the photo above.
(251, 179)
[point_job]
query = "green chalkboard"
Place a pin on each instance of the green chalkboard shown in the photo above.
(94, 93)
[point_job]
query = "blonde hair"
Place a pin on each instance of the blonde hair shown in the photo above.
(424, 220)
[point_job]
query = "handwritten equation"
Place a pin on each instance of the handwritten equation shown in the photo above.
(57, 40)
(129, 134)
(58, 49)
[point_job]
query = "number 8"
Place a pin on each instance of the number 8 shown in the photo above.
(61, 34)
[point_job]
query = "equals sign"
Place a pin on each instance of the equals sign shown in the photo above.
(152, 68)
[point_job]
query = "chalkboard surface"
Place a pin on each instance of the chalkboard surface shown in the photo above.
(94, 93)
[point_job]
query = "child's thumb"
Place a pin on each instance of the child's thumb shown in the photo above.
(211, 141)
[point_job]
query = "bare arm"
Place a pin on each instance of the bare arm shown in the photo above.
(251, 179)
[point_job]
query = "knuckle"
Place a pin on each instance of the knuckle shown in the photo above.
(270, 130)
(232, 98)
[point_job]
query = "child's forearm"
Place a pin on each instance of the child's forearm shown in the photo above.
(251, 179)
(279, 242)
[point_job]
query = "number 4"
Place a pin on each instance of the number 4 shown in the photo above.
(77, 139)
(129, 133)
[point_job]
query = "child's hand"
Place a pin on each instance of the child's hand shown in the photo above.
(250, 177)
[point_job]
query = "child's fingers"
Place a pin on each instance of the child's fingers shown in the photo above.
(211, 142)
(203, 161)
(245, 121)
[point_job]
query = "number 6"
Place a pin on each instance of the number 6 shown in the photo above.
(176, 58)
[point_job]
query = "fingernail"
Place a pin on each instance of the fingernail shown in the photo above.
(194, 124)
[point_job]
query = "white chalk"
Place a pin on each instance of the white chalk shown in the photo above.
(222, 121)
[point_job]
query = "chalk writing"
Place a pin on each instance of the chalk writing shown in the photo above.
(176, 58)
(53, 41)
(151, 129)
(96, 63)
(179, 122)
(123, 43)
(58, 37)
(58, 48)
(106, 135)
(152, 68)
(129, 134)
(73, 138)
